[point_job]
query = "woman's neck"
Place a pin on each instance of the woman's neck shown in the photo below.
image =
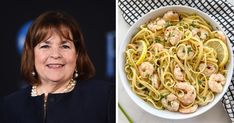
(46, 88)
(51, 87)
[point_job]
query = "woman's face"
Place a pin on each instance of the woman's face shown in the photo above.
(55, 59)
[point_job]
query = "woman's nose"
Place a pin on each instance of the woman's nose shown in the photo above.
(55, 53)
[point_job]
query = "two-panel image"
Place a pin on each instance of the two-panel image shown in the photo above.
(123, 61)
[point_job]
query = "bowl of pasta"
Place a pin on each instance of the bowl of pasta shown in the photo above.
(175, 62)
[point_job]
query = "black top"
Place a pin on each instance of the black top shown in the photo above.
(90, 102)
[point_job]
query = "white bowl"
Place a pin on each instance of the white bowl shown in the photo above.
(148, 107)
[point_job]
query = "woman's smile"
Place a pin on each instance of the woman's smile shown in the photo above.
(55, 65)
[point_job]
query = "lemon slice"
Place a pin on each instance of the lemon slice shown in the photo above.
(221, 49)
(143, 52)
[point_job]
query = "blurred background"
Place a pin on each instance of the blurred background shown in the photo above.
(97, 22)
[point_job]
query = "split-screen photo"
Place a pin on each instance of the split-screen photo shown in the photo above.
(117, 61)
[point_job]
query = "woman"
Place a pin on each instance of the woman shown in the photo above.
(56, 65)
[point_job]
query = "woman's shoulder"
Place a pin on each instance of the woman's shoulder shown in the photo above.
(17, 95)
(96, 84)
(96, 87)
(98, 97)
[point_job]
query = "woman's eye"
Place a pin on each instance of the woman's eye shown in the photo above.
(44, 46)
(65, 47)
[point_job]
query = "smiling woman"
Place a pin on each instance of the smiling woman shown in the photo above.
(56, 65)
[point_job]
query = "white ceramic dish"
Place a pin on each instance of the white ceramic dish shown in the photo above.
(121, 59)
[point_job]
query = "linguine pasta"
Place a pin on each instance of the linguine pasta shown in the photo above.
(169, 63)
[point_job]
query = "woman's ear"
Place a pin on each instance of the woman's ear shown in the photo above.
(77, 54)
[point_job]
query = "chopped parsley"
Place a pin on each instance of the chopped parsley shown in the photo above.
(168, 24)
(162, 96)
(157, 40)
(189, 49)
(193, 24)
(199, 81)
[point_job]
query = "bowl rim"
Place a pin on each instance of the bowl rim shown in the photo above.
(144, 105)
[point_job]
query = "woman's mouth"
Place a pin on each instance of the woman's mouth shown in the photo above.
(55, 66)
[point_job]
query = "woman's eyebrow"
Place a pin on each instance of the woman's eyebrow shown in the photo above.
(65, 41)
(46, 41)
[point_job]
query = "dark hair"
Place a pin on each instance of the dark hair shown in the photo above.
(64, 25)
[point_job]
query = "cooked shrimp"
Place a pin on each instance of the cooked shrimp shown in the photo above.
(173, 34)
(146, 69)
(183, 50)
(189, 93)
(157, 24)
(170, 102)
(155, 81)
(216, 82)
(200, 33)
(157, 47)
(188, 110)
(208, 68)
(179, 75)
(220, 35)
(171, 16)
